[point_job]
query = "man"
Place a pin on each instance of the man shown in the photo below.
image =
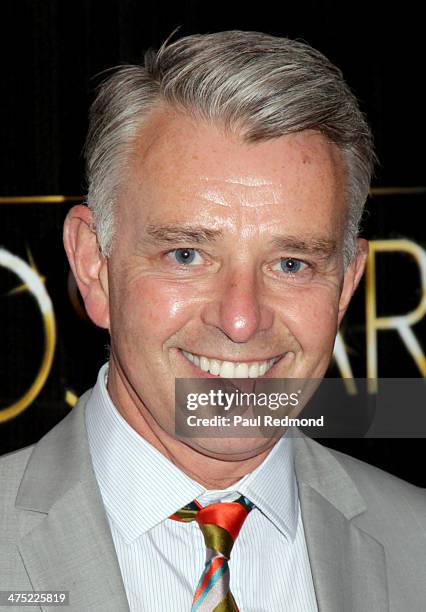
(227, 178)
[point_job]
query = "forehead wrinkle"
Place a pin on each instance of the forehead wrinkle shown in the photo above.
(181, 233)
(245, 181)
(212, 195)
(248, 195)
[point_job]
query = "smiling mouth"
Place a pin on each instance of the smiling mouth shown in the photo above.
(231, 369)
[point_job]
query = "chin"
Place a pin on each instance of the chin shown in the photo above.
(231, 449)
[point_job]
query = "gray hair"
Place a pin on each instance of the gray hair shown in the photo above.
(254, 84)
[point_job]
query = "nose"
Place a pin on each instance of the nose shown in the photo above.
(238, 308)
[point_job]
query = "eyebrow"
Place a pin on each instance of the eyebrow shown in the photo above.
(169, 234)
(314, 245)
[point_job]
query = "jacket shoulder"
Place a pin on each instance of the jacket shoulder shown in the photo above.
(12, 469)
(385, 493)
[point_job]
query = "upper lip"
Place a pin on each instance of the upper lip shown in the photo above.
(234, 359)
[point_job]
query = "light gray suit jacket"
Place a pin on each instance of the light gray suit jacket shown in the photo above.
(365, 530)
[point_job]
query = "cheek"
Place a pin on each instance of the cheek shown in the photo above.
(311, 318)
(151, 310)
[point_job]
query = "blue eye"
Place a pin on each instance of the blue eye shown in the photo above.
(185, 256)
(289, 264)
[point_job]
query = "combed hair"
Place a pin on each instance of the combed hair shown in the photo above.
(253, 84)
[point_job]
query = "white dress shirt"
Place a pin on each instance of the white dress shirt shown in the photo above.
(161, 560)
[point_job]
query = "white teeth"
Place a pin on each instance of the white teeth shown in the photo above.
(205, 364)
(215, 367)
(189, 356)
(241, 370)
(253, 370)
(229, 369)
(262, 368)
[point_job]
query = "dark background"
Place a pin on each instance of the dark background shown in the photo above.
(52, 55)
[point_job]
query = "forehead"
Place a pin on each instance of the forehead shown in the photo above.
(180, 165)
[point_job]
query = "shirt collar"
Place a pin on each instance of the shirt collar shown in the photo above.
(272, 487)
(140, 487)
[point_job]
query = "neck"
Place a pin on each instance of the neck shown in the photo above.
(214, 466)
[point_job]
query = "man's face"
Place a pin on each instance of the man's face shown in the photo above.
(227, 258)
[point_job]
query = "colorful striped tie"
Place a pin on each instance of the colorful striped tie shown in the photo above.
(220, 524)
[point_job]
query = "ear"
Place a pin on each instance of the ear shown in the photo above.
(89, 266)
(352, 276)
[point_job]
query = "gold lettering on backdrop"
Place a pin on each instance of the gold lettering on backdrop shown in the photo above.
(71, 398)
(34, 284)
(344, 366)
(401, 323)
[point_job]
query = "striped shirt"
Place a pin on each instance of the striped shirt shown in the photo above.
(161, 560)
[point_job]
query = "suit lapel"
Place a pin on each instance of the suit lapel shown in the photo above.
(348, 564)
(70, 547)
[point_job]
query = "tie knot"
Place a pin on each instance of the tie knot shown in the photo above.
(220, 523)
